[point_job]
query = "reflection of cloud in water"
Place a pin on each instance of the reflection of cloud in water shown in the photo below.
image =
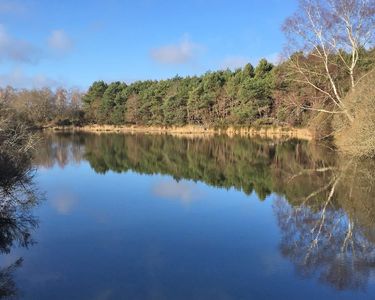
(184, 191)
(64, 202)
(99, 216)
(104, 295)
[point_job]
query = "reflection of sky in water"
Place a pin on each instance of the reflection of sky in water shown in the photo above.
(131, 236)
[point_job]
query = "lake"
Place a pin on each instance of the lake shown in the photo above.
(161, 217)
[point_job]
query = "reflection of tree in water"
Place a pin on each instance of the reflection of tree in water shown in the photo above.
(7, 285)
(218, 161)
(329, 232)
(17, 196)
(16, 220)
(60, 149)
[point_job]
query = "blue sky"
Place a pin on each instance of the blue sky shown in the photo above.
(73, 43)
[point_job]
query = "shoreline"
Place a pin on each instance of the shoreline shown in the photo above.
(194, 130)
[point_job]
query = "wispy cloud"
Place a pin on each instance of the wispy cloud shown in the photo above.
(60, 42)
(11, 7)
(180, 53)
(18, 79)
(64, 202)
(17, 50)
(186, 192)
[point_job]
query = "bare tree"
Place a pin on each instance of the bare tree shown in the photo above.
(331, 34)
(75, 96)
(61, 96)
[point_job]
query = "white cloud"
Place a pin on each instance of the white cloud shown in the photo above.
(180, 53)
(17, 50)
(234, 62)
(186, 192)
(60, 41)
(18, 79)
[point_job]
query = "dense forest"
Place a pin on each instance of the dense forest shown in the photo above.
(215, 98)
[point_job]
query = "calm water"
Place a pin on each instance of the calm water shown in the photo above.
(157, 217)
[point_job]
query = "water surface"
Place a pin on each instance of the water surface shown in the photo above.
(160, 217)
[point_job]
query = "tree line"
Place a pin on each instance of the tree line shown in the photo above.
(215, 98)
(266, 94)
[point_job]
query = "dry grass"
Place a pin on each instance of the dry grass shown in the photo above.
(190, 130)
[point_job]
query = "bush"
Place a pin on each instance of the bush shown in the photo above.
(63, 122)
(358, 138)
(320, 126)
(16, 144)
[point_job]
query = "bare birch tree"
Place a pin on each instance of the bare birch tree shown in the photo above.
(332, 33)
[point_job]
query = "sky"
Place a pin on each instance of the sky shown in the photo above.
(73, 43)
